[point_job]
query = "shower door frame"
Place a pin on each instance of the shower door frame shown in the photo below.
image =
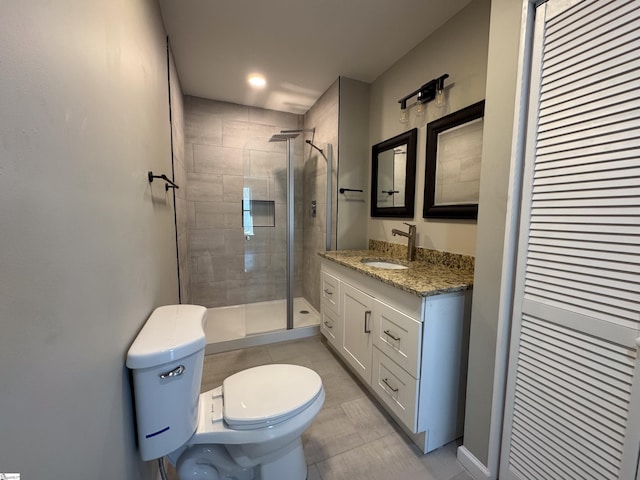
(290, 230)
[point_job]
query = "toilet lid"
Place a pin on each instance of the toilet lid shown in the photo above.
(268, 394)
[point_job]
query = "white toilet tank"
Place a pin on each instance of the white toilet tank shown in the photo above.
(166, 359)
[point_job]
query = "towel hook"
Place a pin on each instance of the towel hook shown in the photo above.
(167, 185)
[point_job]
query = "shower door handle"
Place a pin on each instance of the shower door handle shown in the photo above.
(367, 320)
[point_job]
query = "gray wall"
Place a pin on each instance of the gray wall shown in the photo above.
(458, 48)
(226, 149)
(354, 153)
(500, 107)
(88, 246)
(323, 116)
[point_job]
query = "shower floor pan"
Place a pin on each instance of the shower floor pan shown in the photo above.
(254, 320)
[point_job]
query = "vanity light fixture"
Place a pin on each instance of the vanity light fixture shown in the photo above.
(431, 90)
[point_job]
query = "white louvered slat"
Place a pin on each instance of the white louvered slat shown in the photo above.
(566, 105)
(588, 126)
(610, 140)
(611, 251)
(591, 358)
(561, 423)
(600, 107)
(592, 239)
(612, 417)
(595, 132)
(578, 52)
(587, 202)
(531, 434)
(604, 229)
(588, 152)
(577, 306)
(571, 20)
(581, 219)
(553, 172)
(585, 455)
(587, 80)
(589, 269)
(591, 52)
(564, 282)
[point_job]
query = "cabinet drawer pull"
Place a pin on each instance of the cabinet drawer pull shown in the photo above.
(327, 324)
(367, 319)
(389, 334)
(328, 292)
(386, 382)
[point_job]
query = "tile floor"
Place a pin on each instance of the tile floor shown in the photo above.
(352, 438)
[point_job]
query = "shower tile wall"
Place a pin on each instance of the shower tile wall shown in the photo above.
(226, 149)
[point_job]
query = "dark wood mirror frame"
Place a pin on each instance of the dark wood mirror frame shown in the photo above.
(410, 139)
(435, 128)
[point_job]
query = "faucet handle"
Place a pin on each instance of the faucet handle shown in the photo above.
(409, 225)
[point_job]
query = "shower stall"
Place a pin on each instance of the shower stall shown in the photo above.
(257, 208)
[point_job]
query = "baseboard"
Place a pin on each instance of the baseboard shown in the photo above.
(473, 465)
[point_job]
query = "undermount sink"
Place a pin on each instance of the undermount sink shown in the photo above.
(384, 264)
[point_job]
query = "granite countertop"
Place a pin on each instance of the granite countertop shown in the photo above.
(423, 278)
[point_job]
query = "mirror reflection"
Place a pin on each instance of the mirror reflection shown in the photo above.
(392, 166)
(393, 176)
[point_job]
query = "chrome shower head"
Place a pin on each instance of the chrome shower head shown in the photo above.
(287, 134)
(282, 137)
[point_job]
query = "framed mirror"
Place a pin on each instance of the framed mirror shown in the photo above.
(393, 176)
(452, 176)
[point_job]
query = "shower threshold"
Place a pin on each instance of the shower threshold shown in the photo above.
(253, 324)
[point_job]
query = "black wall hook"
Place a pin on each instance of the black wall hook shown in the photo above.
(167, 185)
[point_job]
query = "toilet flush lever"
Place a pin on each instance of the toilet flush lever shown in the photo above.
(176, 372)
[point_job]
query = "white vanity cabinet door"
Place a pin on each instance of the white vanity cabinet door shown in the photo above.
(399, 337)
(330, 292)
(396, 389)
(357, 311)
(331, 326)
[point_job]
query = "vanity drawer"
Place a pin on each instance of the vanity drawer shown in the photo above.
(330, 292)
(399, 337)
(396, 389)
(330, 327)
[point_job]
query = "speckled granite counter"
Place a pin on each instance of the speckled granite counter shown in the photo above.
(431, 274)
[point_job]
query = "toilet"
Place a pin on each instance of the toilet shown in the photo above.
(250, 427)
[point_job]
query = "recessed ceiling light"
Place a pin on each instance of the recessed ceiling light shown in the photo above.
(256, 80)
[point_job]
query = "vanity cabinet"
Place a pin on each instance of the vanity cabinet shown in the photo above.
(357, 341)
(409, 351)
(330, 318)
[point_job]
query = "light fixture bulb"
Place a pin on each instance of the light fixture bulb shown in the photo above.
(440, 99)
(256, 80)
(420, 109)
(404, 116)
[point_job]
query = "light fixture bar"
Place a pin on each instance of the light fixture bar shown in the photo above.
(426, 92)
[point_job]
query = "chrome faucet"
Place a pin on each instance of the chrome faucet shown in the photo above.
(411, 247)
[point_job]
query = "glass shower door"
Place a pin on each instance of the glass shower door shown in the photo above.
(267, 222)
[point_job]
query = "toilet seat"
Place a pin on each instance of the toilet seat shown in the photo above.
(267, 395)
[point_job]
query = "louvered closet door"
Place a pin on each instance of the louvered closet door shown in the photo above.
(572, 393)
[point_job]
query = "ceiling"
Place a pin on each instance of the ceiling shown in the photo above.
(300, 46)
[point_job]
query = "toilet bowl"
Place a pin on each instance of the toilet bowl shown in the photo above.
(250, 427)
